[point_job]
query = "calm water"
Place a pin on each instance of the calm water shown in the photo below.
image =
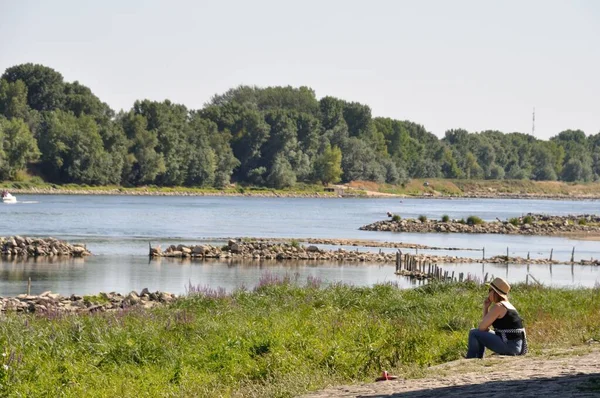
(117, 229)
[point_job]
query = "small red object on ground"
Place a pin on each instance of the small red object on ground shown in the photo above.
(386, 376)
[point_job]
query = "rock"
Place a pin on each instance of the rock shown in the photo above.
(312, 249)
(199, 249)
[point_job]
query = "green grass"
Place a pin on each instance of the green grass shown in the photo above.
(279, 340)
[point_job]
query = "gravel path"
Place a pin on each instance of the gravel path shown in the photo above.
(567, 374)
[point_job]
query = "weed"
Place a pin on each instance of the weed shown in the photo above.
(396, 218)
(474, 220)
(423, 218)
(527, 220)
(514, 221)
(445, 218)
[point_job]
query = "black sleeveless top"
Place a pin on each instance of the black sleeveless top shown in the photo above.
(511, 320)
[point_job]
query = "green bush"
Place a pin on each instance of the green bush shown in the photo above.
(295, 243)
(462, 221)
(474, 220)
(445, 218)
(514, 221)
(423, 218)
(396, 218)
(527, 220)
(582, 221)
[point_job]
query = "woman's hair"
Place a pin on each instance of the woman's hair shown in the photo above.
(497, 297)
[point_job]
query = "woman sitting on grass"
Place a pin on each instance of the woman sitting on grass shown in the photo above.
(508, 337)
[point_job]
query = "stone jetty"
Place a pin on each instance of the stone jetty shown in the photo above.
(531, 224)
(17, 246)
(52, 303)
(269, 250)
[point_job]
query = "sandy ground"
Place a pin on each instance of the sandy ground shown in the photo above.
(562, 374)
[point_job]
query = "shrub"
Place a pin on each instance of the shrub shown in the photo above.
(295, 243)
(36, 180)
(445, 218)
(527, 220)
(474, 220)
(396, 218)
(514, 221)
(582, 221)
(462, 221)
(423, 218)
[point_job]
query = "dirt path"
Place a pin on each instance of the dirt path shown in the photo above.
(566, 374)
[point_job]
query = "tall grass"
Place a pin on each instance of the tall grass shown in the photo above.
(279, 339)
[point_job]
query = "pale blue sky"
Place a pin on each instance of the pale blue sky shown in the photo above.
(444, 64)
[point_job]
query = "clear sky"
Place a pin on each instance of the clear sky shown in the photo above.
(445, 64)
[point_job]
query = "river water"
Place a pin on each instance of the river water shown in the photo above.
(118, 229)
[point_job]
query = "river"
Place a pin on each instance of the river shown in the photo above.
(118, 229)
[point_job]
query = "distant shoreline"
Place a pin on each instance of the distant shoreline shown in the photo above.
(284, 194)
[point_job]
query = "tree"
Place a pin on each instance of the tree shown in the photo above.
(13, 99)
(576, 170)
(19, 147)
(328, 165)
(144, 163)
(281, 175)
(72, 149)
(472, 168)
(45, 87)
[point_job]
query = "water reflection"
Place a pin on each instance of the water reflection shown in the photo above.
(110, 273)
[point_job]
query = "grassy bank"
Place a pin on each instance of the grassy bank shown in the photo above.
(415, 187)
(279, 340)
(45, 188)
(486, 188)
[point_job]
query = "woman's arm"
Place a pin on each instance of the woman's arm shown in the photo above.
(497, 311)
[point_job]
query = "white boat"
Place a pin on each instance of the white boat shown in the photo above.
(8, 198)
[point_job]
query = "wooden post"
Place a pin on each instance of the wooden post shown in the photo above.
(398, 261)
(573, 255)
(149, 249)
(528, 256)
(527, 279)
(483, 258)
(485, 278)
(507, 254)
(29, 286)
(551, 251)
(452, 277)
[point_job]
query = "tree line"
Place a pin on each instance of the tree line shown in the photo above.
(273, 136)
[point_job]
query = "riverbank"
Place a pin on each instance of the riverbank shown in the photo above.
(279, 339)
(415, 188)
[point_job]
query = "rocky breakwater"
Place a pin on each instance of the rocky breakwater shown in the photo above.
(531, 224)
(34, 247)
(237, 249)
(49, 302)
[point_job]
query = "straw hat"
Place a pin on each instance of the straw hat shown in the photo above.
(501, 287)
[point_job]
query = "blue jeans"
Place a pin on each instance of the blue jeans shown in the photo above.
(479, 341)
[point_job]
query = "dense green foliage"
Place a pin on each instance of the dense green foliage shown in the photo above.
(279, 340)
(274, 137)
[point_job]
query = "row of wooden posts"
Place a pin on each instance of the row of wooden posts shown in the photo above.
(508, 256)
(419, 268)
